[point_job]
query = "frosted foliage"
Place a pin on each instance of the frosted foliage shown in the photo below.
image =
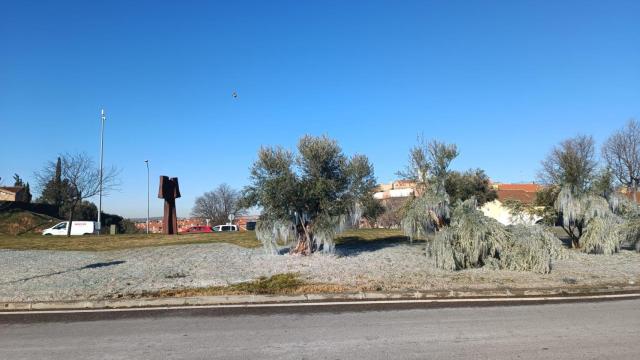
(272, 233)
(355, 214)
(526, 255)
(474, 240)
(442, 251)
(569, 205)
(595, 207)
(630, 231)
(581, 207)
(325, 230)
(617, 203)
(425, 215)
(540, 234)
(533, 248)
(604, 229)
(603, 235)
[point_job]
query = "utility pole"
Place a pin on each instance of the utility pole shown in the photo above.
(102, 118)
(147, 162)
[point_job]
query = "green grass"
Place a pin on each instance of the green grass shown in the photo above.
(370, 236)
(118, 242)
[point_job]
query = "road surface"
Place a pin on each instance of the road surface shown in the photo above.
(587, 330)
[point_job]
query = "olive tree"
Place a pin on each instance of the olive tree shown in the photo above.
(308, 197)
(475, 183)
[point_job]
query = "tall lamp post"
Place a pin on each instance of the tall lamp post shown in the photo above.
(103, 117)
(147, 162)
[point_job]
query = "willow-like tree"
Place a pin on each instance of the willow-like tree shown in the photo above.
(572, 167)
(594, 215)
(429, 209)
(307, 198)
(459, 235)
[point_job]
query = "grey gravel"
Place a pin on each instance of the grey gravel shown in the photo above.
(69, 275)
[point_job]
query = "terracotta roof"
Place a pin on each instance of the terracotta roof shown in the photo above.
(13, 189)
(522, 187)
(526, 197)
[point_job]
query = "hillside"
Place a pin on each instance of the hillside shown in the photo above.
(18, 222)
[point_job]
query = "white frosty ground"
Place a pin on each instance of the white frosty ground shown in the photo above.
(67, 275)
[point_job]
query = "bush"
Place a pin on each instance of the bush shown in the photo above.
(474, 240)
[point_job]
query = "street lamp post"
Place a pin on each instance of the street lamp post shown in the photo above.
(102, 118)
(147, 162)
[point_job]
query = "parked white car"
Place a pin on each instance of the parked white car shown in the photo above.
(77, 228)
(225, 228)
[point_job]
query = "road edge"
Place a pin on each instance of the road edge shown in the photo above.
(470, 296)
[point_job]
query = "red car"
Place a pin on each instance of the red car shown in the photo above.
(198, 229)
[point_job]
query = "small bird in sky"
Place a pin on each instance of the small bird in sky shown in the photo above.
(235, 95)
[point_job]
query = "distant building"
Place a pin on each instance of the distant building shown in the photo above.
(525, 193)
(13, 193)
(246, 222)
(396, 189)
(155, 225)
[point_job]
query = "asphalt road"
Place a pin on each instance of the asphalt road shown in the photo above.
(591, 330)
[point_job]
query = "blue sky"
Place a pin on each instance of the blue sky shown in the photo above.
(505, 80)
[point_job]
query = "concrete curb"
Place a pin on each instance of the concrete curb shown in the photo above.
(364, 297)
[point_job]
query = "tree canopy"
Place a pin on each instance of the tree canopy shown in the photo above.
(473, 183)
(571, 163)
(308, 196)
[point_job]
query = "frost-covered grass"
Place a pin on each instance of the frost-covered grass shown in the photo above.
(361, 265)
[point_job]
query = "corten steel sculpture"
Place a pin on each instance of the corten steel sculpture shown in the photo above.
(169, 191)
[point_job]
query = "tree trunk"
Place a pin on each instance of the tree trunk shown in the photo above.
(301, 248)
(575, 240)
(71, 210)
(304, 245)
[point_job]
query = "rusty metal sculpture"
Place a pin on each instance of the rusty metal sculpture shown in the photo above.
(169, 191)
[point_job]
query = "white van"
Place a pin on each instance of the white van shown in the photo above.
(77, 228)
(227, 227)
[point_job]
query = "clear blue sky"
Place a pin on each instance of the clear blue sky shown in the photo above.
(505, 80)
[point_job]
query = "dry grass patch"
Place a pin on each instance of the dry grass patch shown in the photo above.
(18, 222)
(279, 284)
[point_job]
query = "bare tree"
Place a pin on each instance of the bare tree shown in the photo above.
(392, 215)
(218, 204)
(81, 179)
(622, 154)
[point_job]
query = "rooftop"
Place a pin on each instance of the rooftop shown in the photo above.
(13, 189)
